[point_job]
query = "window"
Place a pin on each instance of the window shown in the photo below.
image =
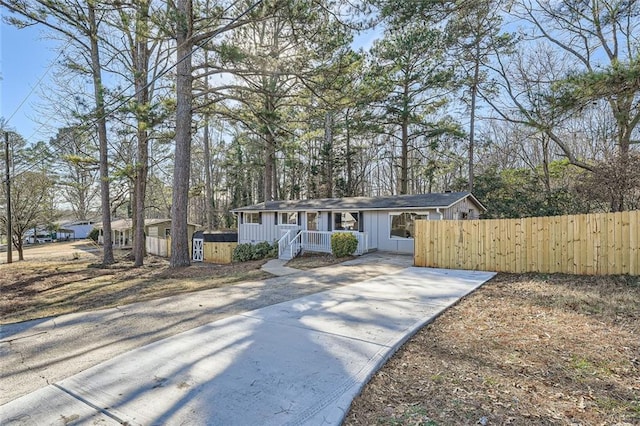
(403, 224)
(345, 221)
(289, 218)
(312, 221)
(252, 217)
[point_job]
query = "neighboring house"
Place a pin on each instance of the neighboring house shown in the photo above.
(77, 230)
(122, 230)
(379, 223)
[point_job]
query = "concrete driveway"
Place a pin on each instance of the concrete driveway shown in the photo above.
(289, 350)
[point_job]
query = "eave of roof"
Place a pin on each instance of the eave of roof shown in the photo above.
(398, 202)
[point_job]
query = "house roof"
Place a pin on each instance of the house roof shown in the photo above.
(396, 202)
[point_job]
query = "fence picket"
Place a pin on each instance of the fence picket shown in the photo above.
(603, 243)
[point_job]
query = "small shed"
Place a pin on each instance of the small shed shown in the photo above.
(214, 247)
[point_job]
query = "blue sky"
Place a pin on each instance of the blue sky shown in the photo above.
(24, 60)
(25, 66)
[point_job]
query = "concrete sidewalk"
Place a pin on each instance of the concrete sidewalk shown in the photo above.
(297, 362)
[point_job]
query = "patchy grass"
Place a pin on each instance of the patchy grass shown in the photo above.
(38, 289)
(30, 289)
(524, 349)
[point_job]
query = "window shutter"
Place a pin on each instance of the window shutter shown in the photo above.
(276, 218)
(360, 221)
(260, 218)
(329, 221)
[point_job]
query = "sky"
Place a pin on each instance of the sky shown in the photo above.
(25, 59)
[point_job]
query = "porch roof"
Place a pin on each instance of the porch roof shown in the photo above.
(397, 202)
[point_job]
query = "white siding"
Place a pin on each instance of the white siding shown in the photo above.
(376, 225)
(465, 206)
(371, 227)
(257, 232)
(383, 231)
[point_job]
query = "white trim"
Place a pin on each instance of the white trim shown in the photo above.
(287, 212)
(244, 218)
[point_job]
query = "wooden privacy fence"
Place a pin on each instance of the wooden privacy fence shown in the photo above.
(157, 246)
(218, 252)
(591, 244)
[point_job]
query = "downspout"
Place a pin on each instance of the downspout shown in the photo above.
(440, 213)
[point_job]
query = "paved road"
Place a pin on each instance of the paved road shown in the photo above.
(300, 361)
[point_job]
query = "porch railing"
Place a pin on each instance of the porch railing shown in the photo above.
(289, 244)
(320, 241)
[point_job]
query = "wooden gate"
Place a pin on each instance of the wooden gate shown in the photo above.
(198, 250)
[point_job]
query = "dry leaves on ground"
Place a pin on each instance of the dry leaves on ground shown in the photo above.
(522, 350)
(31, 289)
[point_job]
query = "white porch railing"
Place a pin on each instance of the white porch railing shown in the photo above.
(317, 241)
(289, 245)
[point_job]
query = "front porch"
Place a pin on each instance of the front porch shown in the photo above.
(295, 241)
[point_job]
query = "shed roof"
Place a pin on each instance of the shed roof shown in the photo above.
(396, 202)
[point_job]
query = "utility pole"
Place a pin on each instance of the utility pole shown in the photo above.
(9, 230)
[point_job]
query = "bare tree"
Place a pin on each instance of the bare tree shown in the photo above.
(595, 44)
(77, 21)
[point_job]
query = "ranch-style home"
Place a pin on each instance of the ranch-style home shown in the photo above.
(379, 223)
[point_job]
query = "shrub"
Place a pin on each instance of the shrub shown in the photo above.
(93, 235)
(343, 244)
(262, 250)
(273, 252)
(243, 253)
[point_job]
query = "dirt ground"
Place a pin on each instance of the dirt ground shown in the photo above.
(522, 350)
(62, 278)
(36, 289)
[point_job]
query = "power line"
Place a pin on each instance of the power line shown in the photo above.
(37, 84)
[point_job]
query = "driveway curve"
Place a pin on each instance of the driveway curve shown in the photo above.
(39, 352)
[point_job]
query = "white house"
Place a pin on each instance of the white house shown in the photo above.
(75, 230)
(379, 223)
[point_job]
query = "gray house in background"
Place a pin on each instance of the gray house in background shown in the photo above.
(379, 223)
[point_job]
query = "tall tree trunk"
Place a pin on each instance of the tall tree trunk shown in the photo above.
(472, 121)
(141, 61)
(182, 165)
(101, 122)
(269, 160)
(208, 190)
(545, 165)
(269, 150)
(404, 158)
(328, 153)
(349, 186)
